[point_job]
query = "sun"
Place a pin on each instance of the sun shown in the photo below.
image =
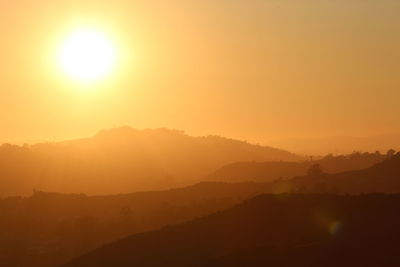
(87, 55)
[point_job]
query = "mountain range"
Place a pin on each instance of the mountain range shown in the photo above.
(123, 160)
(273, 170)
(48, 229)
(339, 144)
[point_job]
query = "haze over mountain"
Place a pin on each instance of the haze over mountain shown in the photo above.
(291, 119)
(383, 177)
(339, 144)
(270, 171)
(123, 160)
(47, 229)
(270, 230)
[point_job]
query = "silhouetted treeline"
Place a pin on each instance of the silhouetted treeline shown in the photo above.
(270, 171)
(270, 230)
(123, 160)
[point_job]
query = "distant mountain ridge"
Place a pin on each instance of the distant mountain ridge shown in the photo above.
(339, 144)
(271, 171)
(383, 177)
(123, 160)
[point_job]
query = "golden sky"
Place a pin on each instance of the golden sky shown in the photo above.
(254, 69)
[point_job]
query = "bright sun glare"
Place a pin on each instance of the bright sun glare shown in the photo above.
(87, 55)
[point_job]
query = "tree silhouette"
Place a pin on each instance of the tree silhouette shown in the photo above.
(315, 170)
(390, 153)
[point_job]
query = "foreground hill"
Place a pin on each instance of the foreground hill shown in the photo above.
(270, 230)
(123, 160)
(48, 229)
(270, 171)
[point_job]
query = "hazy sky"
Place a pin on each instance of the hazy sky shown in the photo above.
(249, 69)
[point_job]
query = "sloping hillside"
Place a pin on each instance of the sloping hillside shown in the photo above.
(123, 160)
(281, 230)
(50, 228)
(47, 229)
(270, 171)
(383, 177)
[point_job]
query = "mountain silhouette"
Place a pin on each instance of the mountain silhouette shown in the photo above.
(382, 177)
(338, 144)
(123, 160)
(270, 171)
(270, 230)
(47, 229)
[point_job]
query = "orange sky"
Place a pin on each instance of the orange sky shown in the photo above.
(255, 70)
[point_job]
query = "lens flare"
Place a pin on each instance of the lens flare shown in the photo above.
(335, 227)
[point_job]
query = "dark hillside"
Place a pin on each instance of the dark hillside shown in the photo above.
(294, 230)
(47, 229)
(383, 177)
(270, 171)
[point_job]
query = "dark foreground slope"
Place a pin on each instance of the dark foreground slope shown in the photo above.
(279, 230)
(48, 229)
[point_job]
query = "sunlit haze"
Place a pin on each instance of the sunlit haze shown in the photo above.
(204, 133)
(253, 70)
